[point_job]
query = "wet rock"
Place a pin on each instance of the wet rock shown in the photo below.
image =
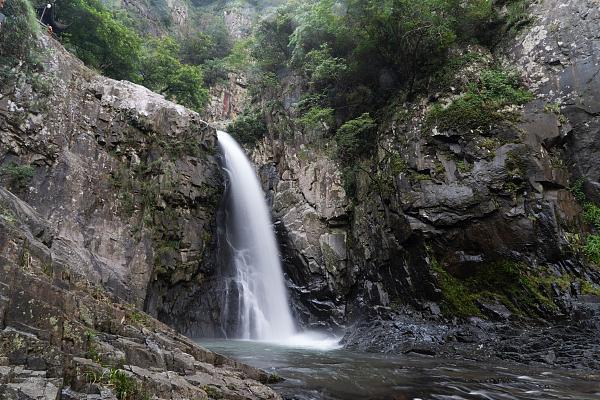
(495, 311)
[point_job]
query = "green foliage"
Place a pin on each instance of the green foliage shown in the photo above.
(125, 387)
(576, 190)
(457, 298)
(464, 166)
(318, 118)
(517, 15)
(350, 175)
(248, 128)
(592, 248)
(322, 69)
(356, 138)
(212, 392)
(197, 48)
(92, 349)
(159, 63)
(7, 214)
(18, 33)
(588, 287)
(591, 213)
(273, 378)
(139, 317)
(481, 106)
(103, 39)
(272, 37)
(240, 55)
(210, 43)
(409, 37)
(163, 11)
(186, 87)
(100, 39)
(162, 72)
(18, 176)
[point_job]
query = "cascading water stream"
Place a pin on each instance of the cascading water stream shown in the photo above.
(256, 289)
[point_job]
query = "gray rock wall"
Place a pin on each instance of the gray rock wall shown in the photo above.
(461, 199)
(62, 336)
(128, 180)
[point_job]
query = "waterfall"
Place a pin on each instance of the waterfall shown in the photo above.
(255, 298)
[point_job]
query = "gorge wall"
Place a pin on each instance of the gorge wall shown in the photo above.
(108, 207)
(453, 203)
(128, 180)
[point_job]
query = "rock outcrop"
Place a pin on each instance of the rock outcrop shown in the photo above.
(129, 181)
(448, 201)
(63, 337)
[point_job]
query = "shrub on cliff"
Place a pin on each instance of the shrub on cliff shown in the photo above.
(17, 176)
(100, 38)
(162, 72)
(18, 32)
(482, 104)
(355, 138)
(248, 128)
(272, 38)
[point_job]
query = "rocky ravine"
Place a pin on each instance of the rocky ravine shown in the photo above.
(117, 195)
(459, 201)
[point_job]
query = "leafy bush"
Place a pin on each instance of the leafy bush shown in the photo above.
(592, 248)
(318, 118)
(162, 72)
(125, 387)
(18, 176)
(100, 39)
(480, 107)
(197, 49)
(517, 15)
(240, 55)
(591, 213)
(577, 191)
(211, 43)
(322, 69)
(18, 32)
(272, 36)
(355, 138)
(186, 87)
(248, 128)
(215, 71)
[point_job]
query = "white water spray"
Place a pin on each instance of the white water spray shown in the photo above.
(262, 308)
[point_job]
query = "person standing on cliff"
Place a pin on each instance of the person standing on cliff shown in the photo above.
(2, 17)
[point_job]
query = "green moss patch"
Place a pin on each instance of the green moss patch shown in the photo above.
(512, 284)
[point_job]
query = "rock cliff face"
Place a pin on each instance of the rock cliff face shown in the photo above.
(63, 337)
(129, 181)
(108, 206)
(227, 100)
(559, 55)
(457, 200)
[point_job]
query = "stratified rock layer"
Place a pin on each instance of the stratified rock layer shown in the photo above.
(128, 180)
(63, 337)
(458, 200)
